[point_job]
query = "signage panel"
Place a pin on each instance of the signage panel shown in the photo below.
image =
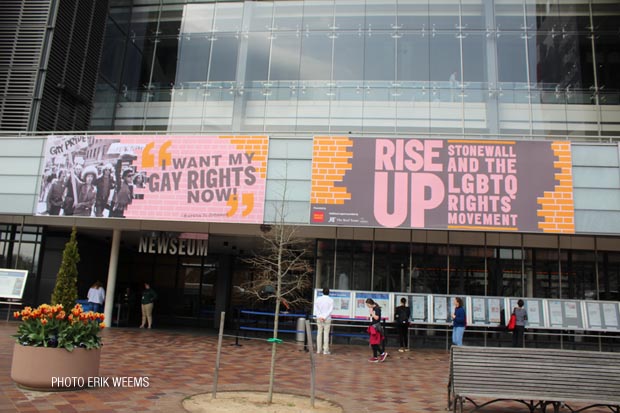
(443, 184)
(182, 178)
(12, 283)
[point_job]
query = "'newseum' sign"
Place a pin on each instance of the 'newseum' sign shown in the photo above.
(443, 184)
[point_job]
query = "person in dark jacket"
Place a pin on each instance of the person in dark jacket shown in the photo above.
(148, 298)
(458, 322)
(521, 318)
(104, 184)
(56, 194)
(401, 318)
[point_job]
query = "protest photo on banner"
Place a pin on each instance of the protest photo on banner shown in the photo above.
(188, 178)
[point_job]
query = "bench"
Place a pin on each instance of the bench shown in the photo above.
(535, 377)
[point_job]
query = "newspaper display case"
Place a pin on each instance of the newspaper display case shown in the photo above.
(417, 303)
(564, 314)
(442, 308)
(535, 311)
(343, 302)
(482, 311)
(486, 311)
(360, 311)
(602, 315)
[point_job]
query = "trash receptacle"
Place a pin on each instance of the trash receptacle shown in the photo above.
(301, 329)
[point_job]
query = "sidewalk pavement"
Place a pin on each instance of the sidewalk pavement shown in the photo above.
(179, 364)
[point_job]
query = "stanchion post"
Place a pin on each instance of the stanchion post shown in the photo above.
(312, 368)
(219, 352)
(238, 311)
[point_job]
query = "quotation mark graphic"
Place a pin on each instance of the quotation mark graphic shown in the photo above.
(247, 200)
(165, 157)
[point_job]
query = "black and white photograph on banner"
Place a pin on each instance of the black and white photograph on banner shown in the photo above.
(88, 177)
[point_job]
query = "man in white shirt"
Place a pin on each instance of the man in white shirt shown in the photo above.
(323, 308)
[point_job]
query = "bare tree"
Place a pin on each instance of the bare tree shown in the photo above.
(283, 273)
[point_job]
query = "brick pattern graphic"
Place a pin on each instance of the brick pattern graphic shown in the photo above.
(558, 207)
(330, 162)
(257, 144)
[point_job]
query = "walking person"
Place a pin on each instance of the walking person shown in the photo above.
(323, 308)
(148, 298)
(377, 335)
(521, 318)
(401, 318)
(96, 297)
(458, 322)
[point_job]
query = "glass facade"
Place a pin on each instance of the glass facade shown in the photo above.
(522, 67)
(504, 271)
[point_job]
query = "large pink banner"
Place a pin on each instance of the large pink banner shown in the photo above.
(184, 178)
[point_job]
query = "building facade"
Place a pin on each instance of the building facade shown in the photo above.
(524, 72)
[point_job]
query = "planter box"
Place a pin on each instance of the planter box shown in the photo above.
(49, 369)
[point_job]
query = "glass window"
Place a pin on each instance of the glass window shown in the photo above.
(112, 54)
(257, 66)
(609, 276)
(355, 260)
(289, 169)
(588, 155)
(380, 58)
(258, 16)
(136, 71)
(349, 57)
(467, 270)
(349, 15)
(277, 190)
(580, 275)
(542, 15)
(511, 60)
(509, 15)
(143, 21)
(429, 269)
(445, 57)
(473, 15)
(285, 57)
(324, 268)
(198, 18)
(505, 273)
(596, 177)
(165, 63)
(413, 57)
(318, 15)
(316, 57)
(193, 59)
(608, 63)
(228, 17)
(288, 15)
(120, 15)
(475, 61)
(380, 14)
(413, 14)
(606, 15)
(170, 20)
(444, 14)
(391, 267)
(543, 264)
(574, 16)
(224, 58)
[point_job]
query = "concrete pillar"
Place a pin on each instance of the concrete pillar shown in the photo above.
(111, 285)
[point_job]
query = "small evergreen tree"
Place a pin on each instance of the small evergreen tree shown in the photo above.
(65, 290)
